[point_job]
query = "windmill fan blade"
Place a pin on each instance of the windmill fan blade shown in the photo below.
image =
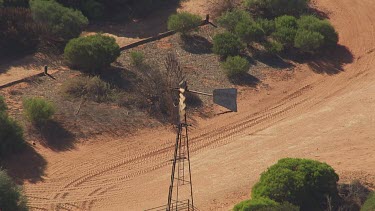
(226, 98)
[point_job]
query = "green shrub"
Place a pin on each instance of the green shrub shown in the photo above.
(331, 37)
(11, 197)
(268, 26)
(285, 30)
(38, 110)
(285, 36)
(230, 19)
(183, 22)
(19, 34)
(92, 53)
(302, 182)
(286, 21)
(136, 58)
(323, 27)
(235, 66)
(92, 88)
(264, 204)
(273, 47)
(11, 136)
(273, 8)
(308, 41)
(249, 32)
(3, 105)
(308, 22)
(369, 204)
(227, 44)
(60, 21)
(255, 204)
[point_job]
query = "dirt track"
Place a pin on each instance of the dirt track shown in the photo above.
(326, 117)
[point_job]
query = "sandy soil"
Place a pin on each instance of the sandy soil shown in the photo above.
(328, 117)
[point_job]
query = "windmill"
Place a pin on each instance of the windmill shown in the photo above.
(178, 198)
(180, 195)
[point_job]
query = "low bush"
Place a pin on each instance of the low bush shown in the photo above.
(331, 36)
(286, 21)
(249, 32)
(92, 53)
(183, 22)
(19, 34)
(235, 66)
(11, 197)
(273, 46)
(11, 136)
(302, 182)
(136, 58)
(91, 88)
(38, 110)
(268, 26)
(314, 24)
(60, 21)
(227, 44)
(285, 30)
(230, 19)
(264, 204)
(369, 204)
(285, 36)
(308, 41)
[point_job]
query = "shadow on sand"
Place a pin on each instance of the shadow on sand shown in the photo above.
(274, 61)
(26, 166)
(196, 44)
(150, 26)
(245, 80)
(56, 137)
(332, 62)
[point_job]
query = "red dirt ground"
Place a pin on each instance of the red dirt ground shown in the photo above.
(328, 117)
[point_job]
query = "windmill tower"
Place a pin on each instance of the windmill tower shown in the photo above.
(180, 195)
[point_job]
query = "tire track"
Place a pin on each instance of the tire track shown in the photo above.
(198, 143)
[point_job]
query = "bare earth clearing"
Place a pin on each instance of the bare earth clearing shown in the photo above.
(330, 118)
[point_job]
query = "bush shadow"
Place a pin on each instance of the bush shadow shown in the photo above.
(28, 166)
(120, 77)
(245, 80)
(318, 13)
(152, 25)
(193, 100)
(196, 44)
(29, 61)
(273, 61)
(331, 62)
(56, 137)
(352, 196)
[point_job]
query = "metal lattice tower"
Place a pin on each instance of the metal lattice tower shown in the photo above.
(180, 195)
